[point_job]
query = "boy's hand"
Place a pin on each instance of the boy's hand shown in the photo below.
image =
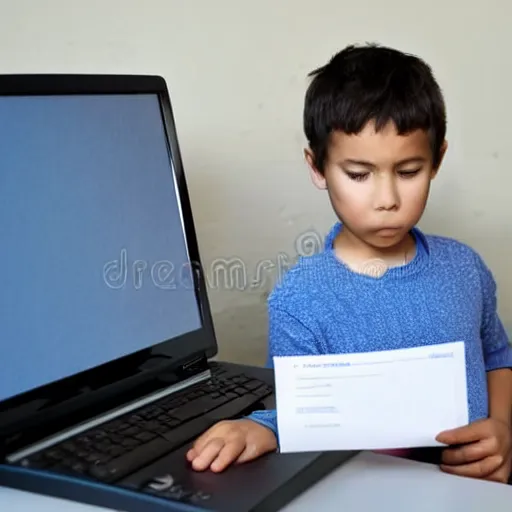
(231, 441)
(484, 451)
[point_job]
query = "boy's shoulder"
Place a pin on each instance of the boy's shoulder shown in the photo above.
(443, 242)
(461, 258)
(307, 273)
(451, 249)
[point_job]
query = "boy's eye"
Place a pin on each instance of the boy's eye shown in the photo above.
(361, 176)
(409, 174)
(357, 176)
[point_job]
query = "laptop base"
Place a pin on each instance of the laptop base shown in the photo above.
(264, 485)
(169, 484)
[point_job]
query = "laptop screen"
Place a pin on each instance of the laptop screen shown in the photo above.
(93, 259)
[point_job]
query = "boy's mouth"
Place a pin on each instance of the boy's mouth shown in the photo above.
(388, 231)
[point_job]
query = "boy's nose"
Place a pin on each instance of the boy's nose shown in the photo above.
(386, 195)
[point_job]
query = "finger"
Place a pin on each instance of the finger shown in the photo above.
(471, 452)
(208, 454)
(467, 434)
(192, 454)
(205, 437)
(478, 469)
(254, 450)
(249, 453)
(230, 453)
(500, 476)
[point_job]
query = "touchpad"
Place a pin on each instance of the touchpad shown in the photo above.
(265, 484)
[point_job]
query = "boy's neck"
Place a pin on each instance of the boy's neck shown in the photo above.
(356, 253)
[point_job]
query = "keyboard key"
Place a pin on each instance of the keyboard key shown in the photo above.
(198, 407)
(252, 384)
(145, 436)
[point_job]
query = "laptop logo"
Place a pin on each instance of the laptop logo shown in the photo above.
(162, 483)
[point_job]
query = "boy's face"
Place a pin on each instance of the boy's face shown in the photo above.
(378, 183)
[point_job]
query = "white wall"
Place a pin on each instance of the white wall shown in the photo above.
(237, 70)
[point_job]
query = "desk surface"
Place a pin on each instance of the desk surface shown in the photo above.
(11, 499)
(367, 482)
(381, 482)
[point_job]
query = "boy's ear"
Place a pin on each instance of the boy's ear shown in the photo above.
(442, 153)
(317, 177)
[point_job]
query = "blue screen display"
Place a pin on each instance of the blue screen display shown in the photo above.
(93, 259)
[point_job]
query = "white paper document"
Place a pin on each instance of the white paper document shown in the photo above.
(369, 401)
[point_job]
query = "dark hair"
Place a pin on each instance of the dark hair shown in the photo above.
(372, 83)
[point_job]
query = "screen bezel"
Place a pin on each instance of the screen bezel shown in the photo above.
(65, 401)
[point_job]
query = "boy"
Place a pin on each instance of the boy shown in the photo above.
(375, 123)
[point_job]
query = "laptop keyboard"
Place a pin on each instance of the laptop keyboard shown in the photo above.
(117, 448)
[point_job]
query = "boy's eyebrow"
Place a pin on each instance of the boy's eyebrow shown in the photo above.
(364, 163)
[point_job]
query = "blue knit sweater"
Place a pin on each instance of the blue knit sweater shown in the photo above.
(445, 293)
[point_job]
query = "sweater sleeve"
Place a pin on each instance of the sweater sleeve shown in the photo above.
(496, 345)
(287, 336)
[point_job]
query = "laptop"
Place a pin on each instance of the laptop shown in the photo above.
(108, 352)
